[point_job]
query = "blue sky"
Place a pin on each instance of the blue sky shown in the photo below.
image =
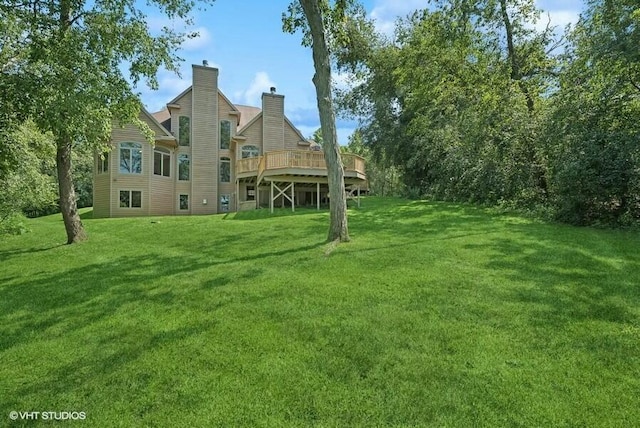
(244, 39)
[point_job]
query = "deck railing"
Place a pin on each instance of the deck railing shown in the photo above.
(295, 159)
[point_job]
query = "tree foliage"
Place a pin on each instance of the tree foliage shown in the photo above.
(383, 178)
(472, 101)
(60, 65)
(26, 162)
(594, 126)
(444, 104)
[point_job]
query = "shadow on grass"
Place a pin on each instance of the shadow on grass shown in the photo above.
(265, 213)
(389, 219)
(123, 307)
(76, 297)
(87, 215)
(566, 274)
(8, 254)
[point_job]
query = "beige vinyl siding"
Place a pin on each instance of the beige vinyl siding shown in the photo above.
(204, 141)
(291, 138)
(223, 112)
(101, 184)
(185, 103)
(273, 122)
(182, 187)
(162, 188)
(254, 135)
(162, 195)
(121, 181)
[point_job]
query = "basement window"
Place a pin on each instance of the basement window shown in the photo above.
(130, 199)
(224, 203)
(183, 202)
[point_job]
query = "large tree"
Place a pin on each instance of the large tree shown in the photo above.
(60, 65)
(327, 28)
(594, 129)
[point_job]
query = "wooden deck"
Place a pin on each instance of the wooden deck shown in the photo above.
(281, 172)
(296, 163)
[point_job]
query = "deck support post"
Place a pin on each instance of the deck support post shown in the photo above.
(271, 198)
(293, 197)
(283, 192)
(237, 195)
(358, 196)
(318, 195)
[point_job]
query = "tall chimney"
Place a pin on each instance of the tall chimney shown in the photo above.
(272, 121)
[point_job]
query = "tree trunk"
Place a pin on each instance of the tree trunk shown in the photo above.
(338, 228)
(516, 72)
(68, 206)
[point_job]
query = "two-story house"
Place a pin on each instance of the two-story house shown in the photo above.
(211, 156)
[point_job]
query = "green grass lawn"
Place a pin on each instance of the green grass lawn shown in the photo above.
(435, 315)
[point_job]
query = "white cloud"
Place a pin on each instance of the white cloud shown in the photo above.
(386, 12)
(253, 94)
(169, 86)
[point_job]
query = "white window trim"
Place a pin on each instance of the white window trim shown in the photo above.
(136, 146)
(131, 198)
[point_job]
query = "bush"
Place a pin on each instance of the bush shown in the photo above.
(13, 224)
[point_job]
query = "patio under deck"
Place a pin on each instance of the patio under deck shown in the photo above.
(283, 170)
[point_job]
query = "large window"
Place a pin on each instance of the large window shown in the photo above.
(225, 134)
(183, 167)
(224, 203)
(130, 199)
(250, 152)
(131, 158)
(161, 162)
(103, 163)
(184, 130)
(183, 201)
(225, 170)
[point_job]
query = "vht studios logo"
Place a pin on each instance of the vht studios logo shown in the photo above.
(51, 416)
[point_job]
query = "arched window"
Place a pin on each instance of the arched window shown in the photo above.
(161, 162)
(225, 134)
(225, 170)
(130, 158)
(250, 152)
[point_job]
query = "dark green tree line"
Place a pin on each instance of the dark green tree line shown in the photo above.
(472, 103)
